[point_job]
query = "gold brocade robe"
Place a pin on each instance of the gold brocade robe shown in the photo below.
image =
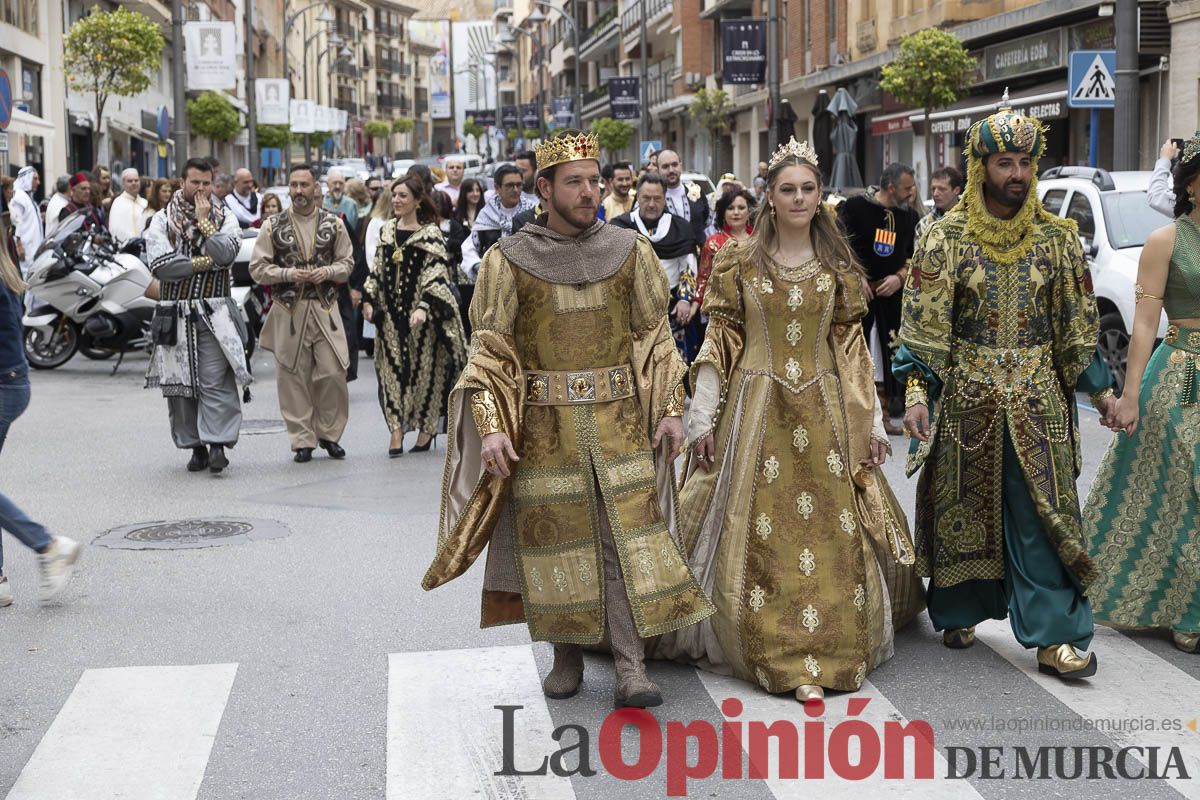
(794, 539)
(545, 563)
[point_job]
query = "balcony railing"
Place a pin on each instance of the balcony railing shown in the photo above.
(347, 30)
(389, 65)
(391, 102)
(597, 26)
(421, 106)
(385, 29)
(631, 18)
(659, 85)
(349, 106)
(347, 70)
(502, 4)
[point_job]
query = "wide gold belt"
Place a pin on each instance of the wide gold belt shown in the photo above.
(572, 387)
(1004, 366)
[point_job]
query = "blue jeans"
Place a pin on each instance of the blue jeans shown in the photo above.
(14, 399)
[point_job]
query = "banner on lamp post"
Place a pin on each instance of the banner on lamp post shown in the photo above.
(343, 119)
(562, 109)
(744, 51)
(272, 96)
(211, 55)
(303, 115)
(529, 115)
(508, 117)
(485, 117)
(326, 118)
(625, 98)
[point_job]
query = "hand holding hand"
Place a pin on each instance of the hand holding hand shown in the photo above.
(683, 312)
(1125, 416)
(889, 286)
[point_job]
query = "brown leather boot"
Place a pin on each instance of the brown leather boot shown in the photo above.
(565, 678)
(634, 688)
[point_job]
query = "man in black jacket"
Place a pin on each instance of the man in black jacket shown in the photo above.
(684, 198)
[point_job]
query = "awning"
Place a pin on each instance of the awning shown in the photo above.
(674, 106)
(1045, 102)
(136, 130)
(29, 124)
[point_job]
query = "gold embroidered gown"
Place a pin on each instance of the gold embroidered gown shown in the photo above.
(781, 530)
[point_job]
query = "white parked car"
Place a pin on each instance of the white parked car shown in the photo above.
(706, 185)
(1114, 223)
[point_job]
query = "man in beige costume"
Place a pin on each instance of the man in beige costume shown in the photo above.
(576, 390)
(304, 253)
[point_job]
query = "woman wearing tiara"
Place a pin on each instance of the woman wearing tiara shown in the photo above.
(787, 520)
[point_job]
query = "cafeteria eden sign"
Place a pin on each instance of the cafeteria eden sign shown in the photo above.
(1035, 53)
(1050, 109)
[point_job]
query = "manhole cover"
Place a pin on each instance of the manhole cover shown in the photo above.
(255, 427)
(189, 533)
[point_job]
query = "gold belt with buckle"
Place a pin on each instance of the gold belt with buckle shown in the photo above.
(579, 386)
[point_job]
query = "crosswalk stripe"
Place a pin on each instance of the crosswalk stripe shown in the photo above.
(1131, 684)
(758, 706)
(444, 736)
(134, 733)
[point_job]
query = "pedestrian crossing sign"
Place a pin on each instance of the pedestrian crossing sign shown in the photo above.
(1090, 79)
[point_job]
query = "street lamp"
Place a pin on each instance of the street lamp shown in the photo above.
(506, 42)
(575, 43)
(289, 19)
(509, 39)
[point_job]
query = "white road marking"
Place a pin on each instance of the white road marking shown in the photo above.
(1131, 686)
(445, 738)
(133, 733)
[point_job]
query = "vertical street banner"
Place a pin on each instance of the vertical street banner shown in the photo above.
(343, 120)
(625, 98)
(304, 116)
(744, 50)
(484, 116)
(211, 55)
(435, 33)
(562, 109)
(529, 115)
(272, 96)
(508, 117)
(326, 119)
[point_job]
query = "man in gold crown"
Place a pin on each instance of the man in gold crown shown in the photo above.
(999, 332)
(576, 393)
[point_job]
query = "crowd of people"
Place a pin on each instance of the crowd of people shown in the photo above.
(554, 326)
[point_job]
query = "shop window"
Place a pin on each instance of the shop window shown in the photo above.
(31, 88)
(21, 14)
(1080, 210)
(1053, 201)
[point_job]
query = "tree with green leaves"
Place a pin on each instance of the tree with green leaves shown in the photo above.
(711, 109)
(614, 135)
(472, 128)
(403, 125)
(932, 70)
(273, 135)
(112, 54)
(378, 129)
(212, 115)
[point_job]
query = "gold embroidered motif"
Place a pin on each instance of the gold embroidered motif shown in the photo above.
(758, 598)
(560, 579)
(849, 525)
(645, 563)
(792, 370)
(860, 674)
(771, 469)
(794, 332)
(812, 665)
(485, 412)
(809, 618)
(808, 562)
(762, 526)
(559, 485)
(795, 297)
(766, 287)
(585, 572)
(630, 471)
(763, 681)
(804, 505)
(800, 438)
(834, 460)
(675, 404)
(535, 578)
(668, 556)
(860, 597)
(824, 282)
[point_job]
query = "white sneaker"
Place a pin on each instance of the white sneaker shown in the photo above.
(5, 592)
(57, 566)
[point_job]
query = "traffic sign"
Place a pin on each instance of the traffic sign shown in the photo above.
(1090, 79)
(6, 100)
(163, 124)
(649, 148)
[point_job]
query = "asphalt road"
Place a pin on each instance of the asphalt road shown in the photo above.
(312, 665)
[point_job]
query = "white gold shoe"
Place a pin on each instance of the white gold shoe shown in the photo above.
(57, 565)
(808, 692)
(6, 597)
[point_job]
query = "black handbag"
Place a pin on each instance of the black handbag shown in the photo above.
(164, 328)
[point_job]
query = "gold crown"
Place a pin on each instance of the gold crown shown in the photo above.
(1191, 148)
(801, 150)
(566, 147)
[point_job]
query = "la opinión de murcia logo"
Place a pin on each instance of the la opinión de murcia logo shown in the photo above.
(853, 750)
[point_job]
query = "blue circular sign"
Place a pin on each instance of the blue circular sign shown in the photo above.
(6, 100)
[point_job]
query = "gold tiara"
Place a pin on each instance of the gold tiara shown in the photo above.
(801, 150)
(562, 149)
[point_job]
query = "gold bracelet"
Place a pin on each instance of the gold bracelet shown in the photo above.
(1103, 394)
(675, 404)
(916, 391)
(201, 263)
(207, 228)
(1140, 294)
(487, 416)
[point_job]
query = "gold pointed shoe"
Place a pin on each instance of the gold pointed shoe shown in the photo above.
(1187, 642)
(959, 638)
(808, 692)
(1062, 661)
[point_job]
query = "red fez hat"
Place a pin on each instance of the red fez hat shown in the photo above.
(80, 177)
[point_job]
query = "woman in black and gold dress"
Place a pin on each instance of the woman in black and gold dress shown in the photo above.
(420, 347)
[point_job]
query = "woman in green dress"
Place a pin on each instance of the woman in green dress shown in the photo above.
(1142, 521)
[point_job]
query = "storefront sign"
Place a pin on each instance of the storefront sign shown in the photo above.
(1036, 53)
(562, 109)
(744, 50)
(885, 127)
(1096, 35)
(624, 98)
(484, 116)
(529, 115)
(1043, 110)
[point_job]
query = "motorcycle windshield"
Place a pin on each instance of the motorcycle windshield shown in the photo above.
(71, 225)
